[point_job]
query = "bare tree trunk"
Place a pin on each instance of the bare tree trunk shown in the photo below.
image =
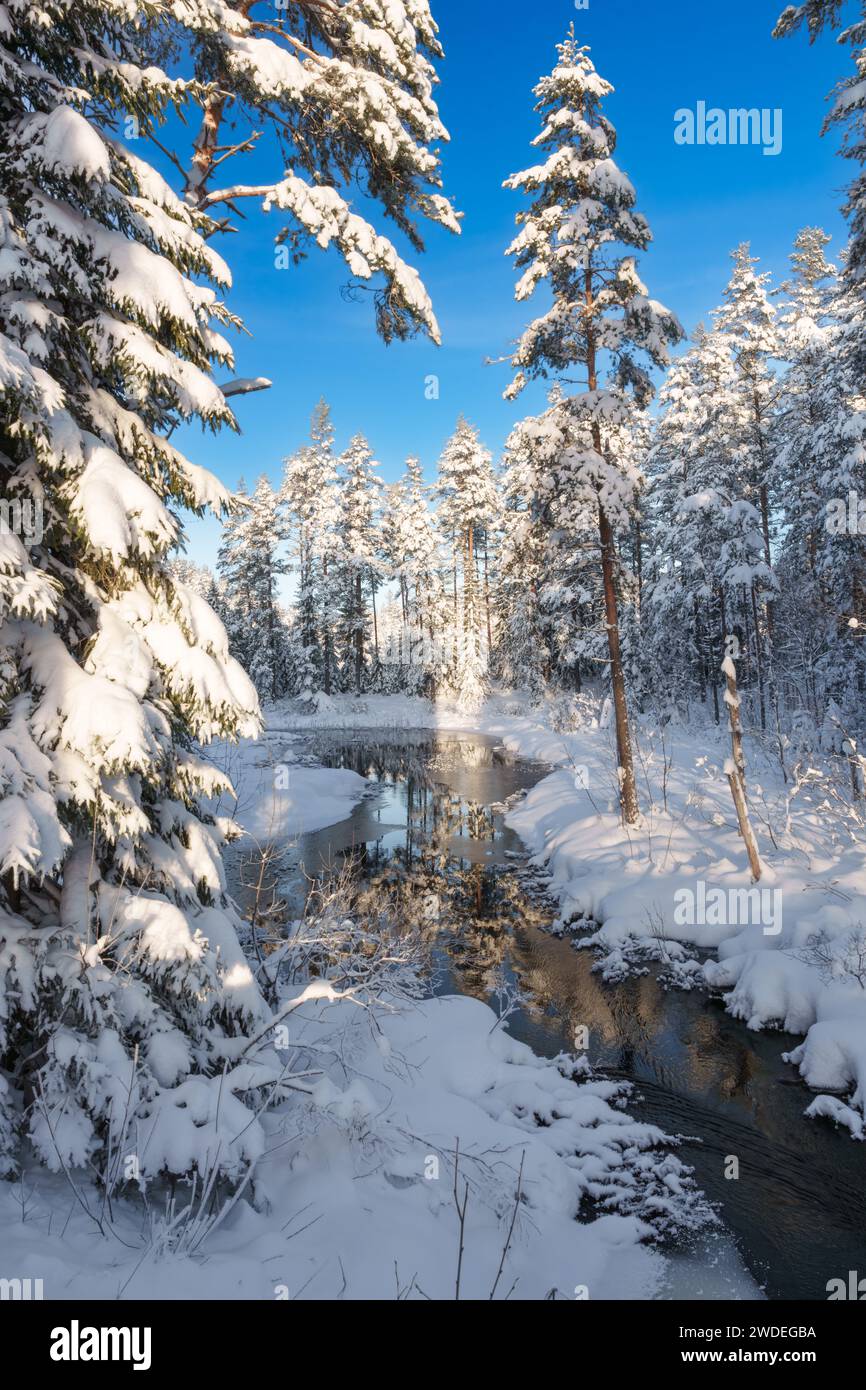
(737, 770)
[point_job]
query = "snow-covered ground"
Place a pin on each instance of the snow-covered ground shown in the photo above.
(354, 1192)
(273, 804)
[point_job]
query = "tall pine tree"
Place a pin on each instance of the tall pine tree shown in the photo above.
(582, 208)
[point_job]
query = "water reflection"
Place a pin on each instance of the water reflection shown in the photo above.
(433, 835)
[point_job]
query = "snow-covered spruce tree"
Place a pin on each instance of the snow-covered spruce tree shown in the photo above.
(747, 321)
(806, 324)
(310, 496)
(250, 564)
(199, 578)
(848, 111)
(682, 645)
(705, 552)
(583, 208)
(552, 593)
(467, 511)
(713, 472)
(125, 999)
(809, 396)
(359, 564)
(414, 559)
(523, 652)
(342, 97)
(841, 551)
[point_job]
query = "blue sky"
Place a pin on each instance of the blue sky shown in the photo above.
(700, 202)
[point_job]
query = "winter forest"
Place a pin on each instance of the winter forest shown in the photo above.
(433, 865)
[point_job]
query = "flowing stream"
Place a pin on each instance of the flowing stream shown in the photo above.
(434, 816)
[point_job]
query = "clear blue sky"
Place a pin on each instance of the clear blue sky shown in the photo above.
(700, 202)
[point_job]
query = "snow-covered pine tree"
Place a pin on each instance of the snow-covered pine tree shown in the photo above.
(681, 626)
(198, 578)
(344, 97)
(123, 989)
(583, 208)
(310, 496)
(705, 544)
(747, 319)
(848, 111)
(359, 565)
(810, 337)
(467, 511)
(523, 651)
(414, 559)
(551, 579)
(806, 324)
(747, 325)
(841, 550)
(250, 564)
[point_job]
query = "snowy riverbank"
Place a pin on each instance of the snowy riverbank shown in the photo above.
(673, 888)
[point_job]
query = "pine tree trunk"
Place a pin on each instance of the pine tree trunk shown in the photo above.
(272, 637)
(638, 558)
(716, 711)
(375, 624)
(487, 596)
(470, 634)
(359, 631)
(759, 661)
(771, 617)
(407, 626)
(627, 784)
(326, 634)
(454, 548)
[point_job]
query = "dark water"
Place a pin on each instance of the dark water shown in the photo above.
(797, 1212)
